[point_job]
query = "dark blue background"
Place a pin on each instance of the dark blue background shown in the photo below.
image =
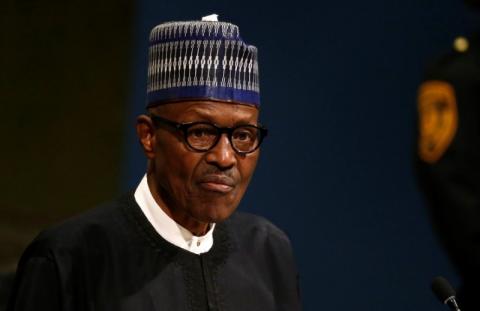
(338, 82)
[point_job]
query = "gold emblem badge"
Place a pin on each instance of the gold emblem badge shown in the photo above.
(438, 118)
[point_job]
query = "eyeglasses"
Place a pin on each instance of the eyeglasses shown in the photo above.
(203, 136)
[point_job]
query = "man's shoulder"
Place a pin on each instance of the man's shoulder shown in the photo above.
(248, 227)
(255, 222)
(93, 225)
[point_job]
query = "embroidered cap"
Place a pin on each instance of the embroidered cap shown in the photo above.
(204, 59)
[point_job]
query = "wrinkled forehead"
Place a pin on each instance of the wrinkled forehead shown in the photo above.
(205, 110)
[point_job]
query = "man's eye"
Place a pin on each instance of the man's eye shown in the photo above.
(243, 136)
(201, 132)
(198, 133)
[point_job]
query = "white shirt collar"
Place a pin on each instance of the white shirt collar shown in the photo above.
(167, 227)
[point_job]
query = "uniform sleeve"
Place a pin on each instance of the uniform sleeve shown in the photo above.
(36, 286)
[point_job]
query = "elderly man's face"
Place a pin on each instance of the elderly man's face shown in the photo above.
(201, 186)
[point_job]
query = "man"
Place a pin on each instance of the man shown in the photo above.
(448, 161)
(176, 243)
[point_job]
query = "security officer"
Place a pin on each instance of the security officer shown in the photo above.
(448, 157)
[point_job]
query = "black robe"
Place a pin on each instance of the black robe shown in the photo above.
(111, 258)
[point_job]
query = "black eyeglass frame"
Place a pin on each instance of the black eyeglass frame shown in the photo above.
(183, 128)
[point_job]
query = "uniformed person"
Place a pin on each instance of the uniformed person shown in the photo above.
(448, 157)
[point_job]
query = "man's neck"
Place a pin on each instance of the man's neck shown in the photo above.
(196, 227)
(169, 229)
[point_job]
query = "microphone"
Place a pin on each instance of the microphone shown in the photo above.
(445, 292)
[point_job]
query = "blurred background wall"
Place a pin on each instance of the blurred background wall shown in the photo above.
(64, 84)
(339, 82)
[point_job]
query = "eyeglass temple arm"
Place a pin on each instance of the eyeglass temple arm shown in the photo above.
(173, 124)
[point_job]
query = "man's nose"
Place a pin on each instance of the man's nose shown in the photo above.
(222, 155)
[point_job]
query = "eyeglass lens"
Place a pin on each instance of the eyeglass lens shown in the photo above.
(203, 136)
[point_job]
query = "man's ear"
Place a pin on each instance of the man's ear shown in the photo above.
(146, 135)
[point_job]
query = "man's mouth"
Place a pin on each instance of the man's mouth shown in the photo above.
(217, 183)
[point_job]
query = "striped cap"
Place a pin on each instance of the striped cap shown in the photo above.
(201, 60)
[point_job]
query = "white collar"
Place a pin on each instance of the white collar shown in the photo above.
(167, 227)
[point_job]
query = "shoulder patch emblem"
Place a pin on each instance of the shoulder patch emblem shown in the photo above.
(438, 119)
